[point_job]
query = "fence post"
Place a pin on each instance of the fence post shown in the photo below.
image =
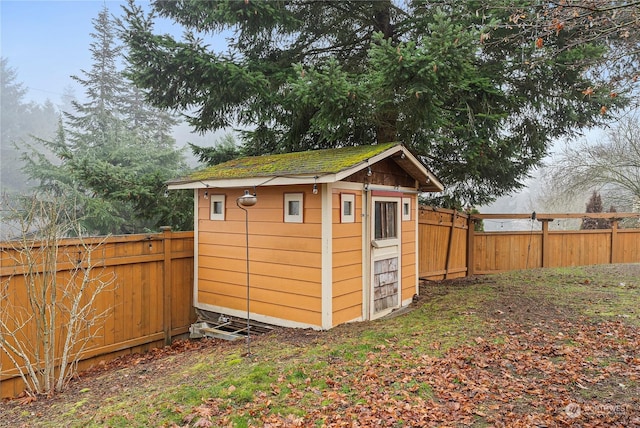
(447, 265)
(614, 241)
(471, 230)
(545, 242)
(166, 284)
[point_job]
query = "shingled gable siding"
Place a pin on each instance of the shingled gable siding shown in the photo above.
(285, 258)
(347, 261)
(409, 253)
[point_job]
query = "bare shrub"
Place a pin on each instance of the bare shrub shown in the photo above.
(48, 315)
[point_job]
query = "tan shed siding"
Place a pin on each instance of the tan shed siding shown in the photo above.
(409, 255)
(347, 261)
(284, 258)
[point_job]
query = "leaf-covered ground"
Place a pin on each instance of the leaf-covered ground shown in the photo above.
(538, 348)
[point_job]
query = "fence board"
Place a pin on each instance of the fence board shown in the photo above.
(628, 246)
(442, 241)
(135, 321)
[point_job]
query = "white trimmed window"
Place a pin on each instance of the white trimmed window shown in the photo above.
(217, 207)
(347, 207)
(406, 209)
(293, 207)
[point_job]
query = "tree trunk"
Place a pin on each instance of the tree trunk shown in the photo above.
(386, 129)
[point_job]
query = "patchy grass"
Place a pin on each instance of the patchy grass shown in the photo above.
(590, 291)
(517, 349)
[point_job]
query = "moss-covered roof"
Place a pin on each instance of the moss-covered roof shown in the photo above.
(313, 162)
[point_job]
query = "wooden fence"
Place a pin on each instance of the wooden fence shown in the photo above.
(450, 247)
(151, 300)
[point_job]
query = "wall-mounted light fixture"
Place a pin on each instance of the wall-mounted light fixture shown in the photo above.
(369, 171)
(247, 200)
(315, 185)
(206, 191)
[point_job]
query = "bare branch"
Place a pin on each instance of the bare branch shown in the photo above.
(45, 335)
(611, 167)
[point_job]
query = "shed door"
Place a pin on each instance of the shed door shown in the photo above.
(385, 255)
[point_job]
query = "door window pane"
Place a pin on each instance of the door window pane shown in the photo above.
(385, 220)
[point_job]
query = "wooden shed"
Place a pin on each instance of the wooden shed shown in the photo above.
(331, 239)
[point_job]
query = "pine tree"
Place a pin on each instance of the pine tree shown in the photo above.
(115, 151)
(18, 120)
(302, 74)
(595, 206)
(223, 150)
(13, 107)
(103, 85)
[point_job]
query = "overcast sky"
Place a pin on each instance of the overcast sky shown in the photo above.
(47, 41)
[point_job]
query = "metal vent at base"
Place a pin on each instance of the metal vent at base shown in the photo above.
(225, 327)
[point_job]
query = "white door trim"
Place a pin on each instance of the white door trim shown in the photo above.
(381, 249)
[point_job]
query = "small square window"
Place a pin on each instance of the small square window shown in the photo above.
(406, 209)
(217, 207)
(348, 205)
(347, 208)
(293, 207)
